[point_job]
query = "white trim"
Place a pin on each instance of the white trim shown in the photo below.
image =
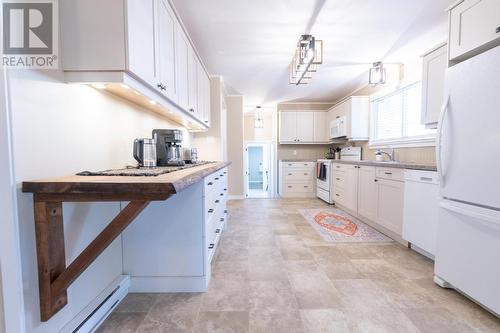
(235, 197)
(10, 255)
(409, 142)
(270, 193)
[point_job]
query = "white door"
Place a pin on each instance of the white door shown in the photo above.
(473, 23)
(320, 127)
(166, 50)
(288, 126)
(258, 166)
(469, 159)
(367, 193)
(182, 58)
(305, 126)
(141, 40)
(434, 69)
(390, 205)
(351, 188)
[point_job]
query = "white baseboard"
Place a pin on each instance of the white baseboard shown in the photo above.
(173, 284)
(92, 316)
(235, 197)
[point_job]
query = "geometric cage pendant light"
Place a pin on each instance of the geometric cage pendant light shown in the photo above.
(308, 55)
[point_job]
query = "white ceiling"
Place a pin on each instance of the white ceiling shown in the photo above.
(251, 43)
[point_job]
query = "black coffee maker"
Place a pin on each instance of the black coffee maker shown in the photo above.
(168, 147)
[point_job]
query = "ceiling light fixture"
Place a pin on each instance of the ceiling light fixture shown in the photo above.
(308, 54)
(377, 74)
(259, 120)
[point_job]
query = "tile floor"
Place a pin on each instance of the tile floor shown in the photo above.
(274, 273)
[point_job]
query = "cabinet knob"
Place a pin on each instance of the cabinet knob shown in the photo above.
(211, 246)
(375, 180)
(222, 194)
(206, 121)
(217, 201)
(388, 173)
(222, 219)
(289, 174)
(337, 194)
(191, 110)
(498, 30)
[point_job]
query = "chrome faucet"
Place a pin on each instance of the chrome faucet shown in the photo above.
(390, 155)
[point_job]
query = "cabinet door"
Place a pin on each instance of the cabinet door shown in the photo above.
(351, 188)
(367, 193)
(320, 127)
(208, 101)
(193, 82)
(141, 40)
(288, 126)
(390, 205)
(305, 126)
(166, 50)
(182, 57)
(473, 23)
(434, 69)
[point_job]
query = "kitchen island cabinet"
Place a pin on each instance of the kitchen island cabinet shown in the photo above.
(197, 198)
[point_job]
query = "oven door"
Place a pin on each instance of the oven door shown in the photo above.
(323, 177)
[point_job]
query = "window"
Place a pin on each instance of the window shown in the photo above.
(396, 119)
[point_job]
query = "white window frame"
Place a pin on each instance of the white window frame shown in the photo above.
(427, 140)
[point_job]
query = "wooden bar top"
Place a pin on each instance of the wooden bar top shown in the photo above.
(122, 187)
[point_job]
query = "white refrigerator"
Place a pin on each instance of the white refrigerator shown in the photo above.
(468, 156)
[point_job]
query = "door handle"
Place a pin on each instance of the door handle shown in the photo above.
(439, 154)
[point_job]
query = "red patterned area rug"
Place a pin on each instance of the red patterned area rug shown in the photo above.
(335, 225)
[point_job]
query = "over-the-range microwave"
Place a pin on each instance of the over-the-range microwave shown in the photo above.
(338, 128)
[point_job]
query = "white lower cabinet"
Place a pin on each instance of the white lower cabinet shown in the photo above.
(367, 193)
(170, 246)
(390, 205)
(297, 179)
(371, 193)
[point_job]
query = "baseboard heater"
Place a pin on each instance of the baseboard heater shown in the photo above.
(89, 319)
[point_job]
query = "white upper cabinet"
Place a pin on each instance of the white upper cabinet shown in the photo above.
(356, 111)
(182, 59)
(166, 26)
(288, 127)
(474, 28)
(142, 55)
(138, 44)
(434, 69)
(193, 82)
(303, 127)
(320, 127)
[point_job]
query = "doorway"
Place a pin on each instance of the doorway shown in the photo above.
(258, 170)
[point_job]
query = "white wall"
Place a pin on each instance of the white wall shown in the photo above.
(60, 129)
(235, 145)
(2, 322)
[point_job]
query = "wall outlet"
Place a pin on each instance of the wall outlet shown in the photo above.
(295, 152)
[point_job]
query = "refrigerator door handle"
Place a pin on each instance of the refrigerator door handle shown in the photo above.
(444, 110)
(486, 219)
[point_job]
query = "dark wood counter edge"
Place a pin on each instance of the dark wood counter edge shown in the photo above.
(54, 275)
(109, 191)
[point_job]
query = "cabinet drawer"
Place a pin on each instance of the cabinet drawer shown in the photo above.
(391, 174)
(297, 175)
(304, 187)
(304, 165)
(337, 167)
(338, 195)
(339, 179)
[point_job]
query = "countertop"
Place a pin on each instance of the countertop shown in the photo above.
(126, 187)
(399, 165)
(300, 160)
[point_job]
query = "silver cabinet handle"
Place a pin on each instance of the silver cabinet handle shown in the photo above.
(305, 186)
(305, 174)
(426, 179)
(217, 231)
(210, 210)
(289, 186)
(337, 178)
(210, 184)
(289, 174)
(388, 173)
